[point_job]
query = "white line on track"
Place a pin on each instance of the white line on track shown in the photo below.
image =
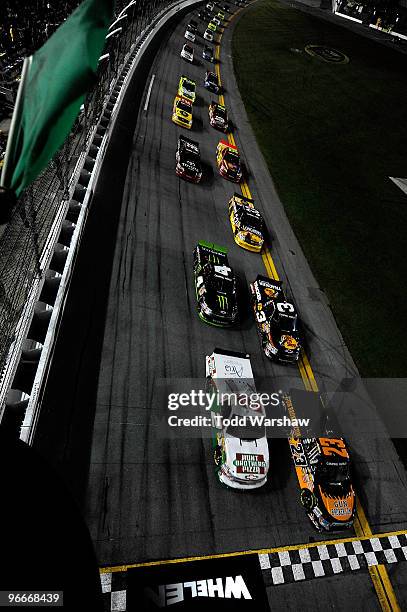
(149, 93)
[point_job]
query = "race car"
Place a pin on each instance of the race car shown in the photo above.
(215, 285)
(208, 35)
(187, 88)
(188, 160)
(228, 160)
(216, 21)
(240, 450)
(210, 6)
(212, 26)
(182, 112)
(276, 319)
(192, 26)
(323, 466)
(211, 82)
(187, 53)
(218, 117)
(190, 35)
(247, 223)
(221, 15)
(207, 53)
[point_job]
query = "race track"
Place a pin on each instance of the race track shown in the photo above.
(133, 301)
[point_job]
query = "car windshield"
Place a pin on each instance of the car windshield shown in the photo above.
(220, 112)
(249, 431)
(184, 107)
(222, 284)
(188, 86)
(188, 49)
(288, 324)
(334, 473)
(251, 221)
(232, 157)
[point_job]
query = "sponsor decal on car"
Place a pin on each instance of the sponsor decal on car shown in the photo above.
(250, 464)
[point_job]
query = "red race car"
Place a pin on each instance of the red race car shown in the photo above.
(228, 160)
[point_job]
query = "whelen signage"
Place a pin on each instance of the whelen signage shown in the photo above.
(235, 583)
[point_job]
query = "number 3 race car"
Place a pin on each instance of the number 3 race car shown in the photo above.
(277, 320)
(247, 223)
(228, 160)
(215, 285)
(188, 160)
(240, 446)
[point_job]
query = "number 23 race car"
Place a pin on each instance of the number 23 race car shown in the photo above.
(322, 466)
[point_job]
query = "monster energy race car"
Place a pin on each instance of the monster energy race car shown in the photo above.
(240, 445)
(277, 320)
(215, 285)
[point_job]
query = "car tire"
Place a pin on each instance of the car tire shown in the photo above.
(308, 500)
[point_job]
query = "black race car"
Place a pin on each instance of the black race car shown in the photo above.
(211, 82)
(218, 116)
(207, 53)
(277, 320)
(188, 160)
(215, 285)
(192, 25)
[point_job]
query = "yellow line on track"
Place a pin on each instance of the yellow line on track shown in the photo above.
(378, 574)
(123, 568)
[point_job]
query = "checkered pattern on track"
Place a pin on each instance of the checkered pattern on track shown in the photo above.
(330, 559)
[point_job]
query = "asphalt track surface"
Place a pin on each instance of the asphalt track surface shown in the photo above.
(131, 321)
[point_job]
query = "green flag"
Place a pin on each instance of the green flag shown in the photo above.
(53, 86)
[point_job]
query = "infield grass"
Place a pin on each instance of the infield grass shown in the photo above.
(331, 136)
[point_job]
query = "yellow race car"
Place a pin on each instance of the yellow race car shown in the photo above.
(182, 112)
(247, 223)
(187, 88)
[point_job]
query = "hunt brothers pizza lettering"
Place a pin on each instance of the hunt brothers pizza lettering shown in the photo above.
(250, 464)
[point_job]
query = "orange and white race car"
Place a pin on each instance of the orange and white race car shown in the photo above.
(228, 160)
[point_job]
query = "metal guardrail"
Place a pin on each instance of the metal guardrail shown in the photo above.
(32, 243)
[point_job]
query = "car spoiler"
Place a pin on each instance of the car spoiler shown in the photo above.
(274, 284)
(241, 199)
(228, 145)
(228, 353)
(213, 247)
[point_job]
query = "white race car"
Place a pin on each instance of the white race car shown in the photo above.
(208, 35)
(240, 446)
(189, 35)
(187, 53)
